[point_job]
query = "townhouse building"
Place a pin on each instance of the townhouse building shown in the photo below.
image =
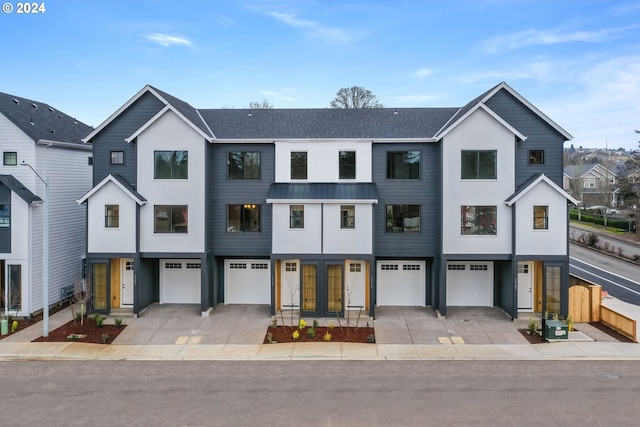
(40, 143)
(327, 210)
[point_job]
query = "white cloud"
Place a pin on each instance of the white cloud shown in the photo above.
(225, 22)
(316, 29)
(424, 72)
(167, 40)
(281, 95)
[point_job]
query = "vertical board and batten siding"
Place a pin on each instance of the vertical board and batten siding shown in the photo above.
(112, 138)
(222, 191)
(424, 191)
(540, 136)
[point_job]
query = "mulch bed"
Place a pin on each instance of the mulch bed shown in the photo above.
(533, 339)
(88, 332)
(283, 334)
(607, 330)
(25, 323)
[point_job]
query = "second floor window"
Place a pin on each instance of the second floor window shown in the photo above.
(403, 165)
(5, 216)
(347, 216)
(10, 158)
(347, 165)
(536, 157)
(403, 218)
(296, 216)
(243, 165)
(171, 219)
(478, 220)
(171, 164)
(298, 165)
(117, 158)
(478, 164)
(589, 183)
(112, 216)
(244, 217)
(541, 217)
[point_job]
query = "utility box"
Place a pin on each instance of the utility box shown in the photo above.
(556, 330)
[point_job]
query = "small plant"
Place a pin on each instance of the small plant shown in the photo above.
(296, 334)
(104, 338)
(274, 323)
(569, 323)
(533, 326)
(72, 337)
(371, 339)
(330, 326)
(99, 320)
(327, 336)
(270, 338)
(311, 332)
(14, 326)
(302, 324)
(78, 316)
(315, 323)
(118, 322)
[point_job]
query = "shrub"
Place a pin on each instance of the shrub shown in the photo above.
(533, 326)
(118, 322)
(371, 339)
(104, 338)
(274, 323)
(72, 337)
(327, 336)
(99, 320)
(330, 326)
(14, 326)
(295, 335)
(302, 323)
(311, 332)
(592, 239)
(315, 323)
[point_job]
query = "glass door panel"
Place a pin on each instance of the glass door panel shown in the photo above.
(99, 286)
(309, 286)
(334, 288)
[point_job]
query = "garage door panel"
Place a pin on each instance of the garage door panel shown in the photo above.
(401, 283)
(180, 281)
(470, 284)
(247, 282)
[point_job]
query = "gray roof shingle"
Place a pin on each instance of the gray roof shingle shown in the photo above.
(18, 188)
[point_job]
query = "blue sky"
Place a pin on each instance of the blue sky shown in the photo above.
(577, 60)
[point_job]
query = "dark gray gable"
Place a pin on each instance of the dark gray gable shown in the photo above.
(322, 191)
(128, 186)
(41, 121)
(186, 110)
(17, 187)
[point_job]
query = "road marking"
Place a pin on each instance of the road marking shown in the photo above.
(606, 271)
(444, 340)
(605, 279)
(457, 340)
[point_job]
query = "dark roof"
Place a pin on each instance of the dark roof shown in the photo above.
(185, 109)
(18, 188)
(367, 123)
(524, 186)
(41, 121)
(464, 110)
(128, 186)
(322, 191)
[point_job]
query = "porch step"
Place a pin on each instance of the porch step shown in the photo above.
(121, 313)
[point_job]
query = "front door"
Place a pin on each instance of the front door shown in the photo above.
(322, 290)
(126, 283)
(525, 286)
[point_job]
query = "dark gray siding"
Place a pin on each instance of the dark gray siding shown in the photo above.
(112, 138)
(5, 233)
(540, 136)
(424, 191)
(221, 192)
(504, 289)
(147, 284)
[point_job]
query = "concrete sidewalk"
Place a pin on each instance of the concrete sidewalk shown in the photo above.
(177, 332)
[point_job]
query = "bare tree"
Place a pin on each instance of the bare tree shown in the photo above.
(260, 105)
(355, 97)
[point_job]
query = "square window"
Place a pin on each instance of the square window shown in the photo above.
(478, 164)
(536, 157)
(403, 165)
(117, 157)
(347, 216)
(90, 160)
(243, 165)
(171, 164)
(541, 217)
(244, 217)
(347, 165)
(478, 220)
(403, 218)
(298, 165)
(171, 219)
(296, 216)
(112, 216)
(10, 158)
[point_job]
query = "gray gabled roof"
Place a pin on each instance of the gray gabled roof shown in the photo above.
(40, 121)
(186, 110)
(18, 188)
(323, 191)
(532, 182)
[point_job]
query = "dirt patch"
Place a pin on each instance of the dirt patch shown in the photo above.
(283, 334)
(88, 332)
(533, 339)
(607, 330)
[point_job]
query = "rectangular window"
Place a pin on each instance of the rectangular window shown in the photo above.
(10, 158)
(298, 165)
(478, 164)
(553, 276)
(456, 267)
(291, 266)
(403, 165)
(90, 161)
(347, 216)
(171, 219)
(403, 218)
(536, 157)
(389, 267)
(478, 220)
(112, 216)
(5, 217)
(589, 183)
(541, 217)
(347, 165)
(243, 217)
(171, 164)
(117, 157)
(243, 165)
(296, 216)
(14, 291)
(355, 267)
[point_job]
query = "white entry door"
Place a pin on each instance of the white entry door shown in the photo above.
(525, 286)
(354, 282)
(126, 282)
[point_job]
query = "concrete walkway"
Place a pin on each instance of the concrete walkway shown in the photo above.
(177, 332)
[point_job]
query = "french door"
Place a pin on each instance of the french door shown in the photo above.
(322, 289)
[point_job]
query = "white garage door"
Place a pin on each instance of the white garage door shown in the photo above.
(247, 281)
(401, 283)
(470, 284)
(180, 281)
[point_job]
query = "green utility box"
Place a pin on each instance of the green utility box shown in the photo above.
(556, 330)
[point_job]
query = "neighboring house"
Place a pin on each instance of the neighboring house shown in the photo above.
(327, 210)
(36, 134)
(591, 184)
